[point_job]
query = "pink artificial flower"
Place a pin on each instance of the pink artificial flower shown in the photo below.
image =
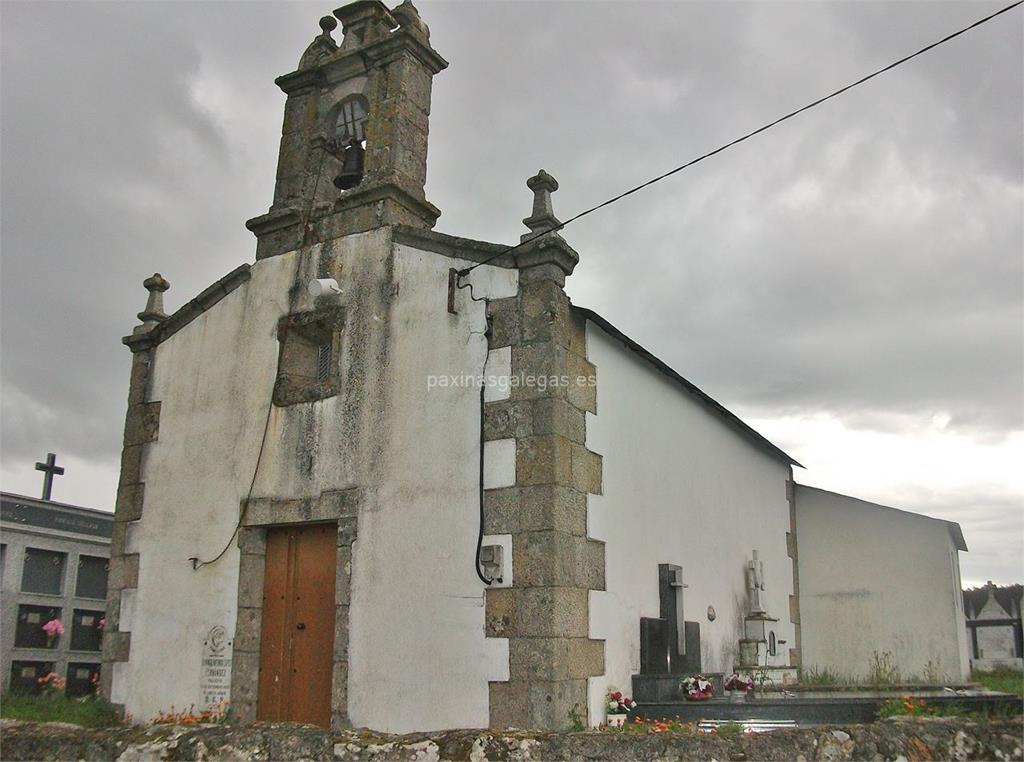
(52, 681)
(53, 628)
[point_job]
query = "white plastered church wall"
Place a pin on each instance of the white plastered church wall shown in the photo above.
(213, 380)
(418, 655)
(681, 487)
(876, 580)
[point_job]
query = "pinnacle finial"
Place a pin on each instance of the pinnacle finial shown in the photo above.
(543, 217)
(409, 18)
(322, 45)
(154, 312)
(328, 24)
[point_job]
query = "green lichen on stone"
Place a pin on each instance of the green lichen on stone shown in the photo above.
(929, 738)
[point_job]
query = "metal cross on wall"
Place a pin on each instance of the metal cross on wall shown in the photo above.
(51, 469)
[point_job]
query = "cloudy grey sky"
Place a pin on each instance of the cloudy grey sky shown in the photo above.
(850, 282)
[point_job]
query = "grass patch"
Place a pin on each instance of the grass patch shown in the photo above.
(89, 712)
(730, 729)
(911, 706)
(824, 676)
(1003, 680)
(883, 670)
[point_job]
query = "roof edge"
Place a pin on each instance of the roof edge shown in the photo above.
(955, 532)
(731, 419)
(15, 497)
(467, 249)
(190, 310)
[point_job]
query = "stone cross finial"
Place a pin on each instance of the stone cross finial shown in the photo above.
(543, 218)
(154, 312)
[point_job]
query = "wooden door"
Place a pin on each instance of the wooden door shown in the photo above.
(297, 635)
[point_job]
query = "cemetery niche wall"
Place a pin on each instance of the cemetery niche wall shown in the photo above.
(54, 562)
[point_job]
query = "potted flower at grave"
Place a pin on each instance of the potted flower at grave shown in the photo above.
(697, 688)
(619, 707)
(53, 629)
(738, 687)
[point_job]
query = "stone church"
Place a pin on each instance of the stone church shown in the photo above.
(389, 477)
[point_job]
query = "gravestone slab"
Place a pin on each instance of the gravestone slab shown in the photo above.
(660, 652)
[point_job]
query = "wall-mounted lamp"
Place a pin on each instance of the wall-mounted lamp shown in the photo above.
(320, 286)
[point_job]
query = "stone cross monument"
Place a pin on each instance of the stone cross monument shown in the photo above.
(51, 469)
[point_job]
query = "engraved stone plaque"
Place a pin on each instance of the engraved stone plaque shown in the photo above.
(215, 677)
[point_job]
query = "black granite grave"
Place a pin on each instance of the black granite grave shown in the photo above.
(662, 664)
(817, 709)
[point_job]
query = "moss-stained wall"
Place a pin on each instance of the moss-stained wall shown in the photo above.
(417, 656)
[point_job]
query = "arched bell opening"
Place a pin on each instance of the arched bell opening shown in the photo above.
(349, 141)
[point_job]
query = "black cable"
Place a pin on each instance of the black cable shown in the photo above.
(196, 563)
(730, 144)
(480, 533)
(483, 386)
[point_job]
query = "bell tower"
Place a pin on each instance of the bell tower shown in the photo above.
(353, 153)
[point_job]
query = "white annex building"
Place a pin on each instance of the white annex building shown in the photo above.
(324, 516)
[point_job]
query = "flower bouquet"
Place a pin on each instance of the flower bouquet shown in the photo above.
(53, 629)
(697, 688)
(618, 707)
(52, 684)
(738, 687)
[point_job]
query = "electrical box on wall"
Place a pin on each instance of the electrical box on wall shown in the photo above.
(491, 559)
(496, 559)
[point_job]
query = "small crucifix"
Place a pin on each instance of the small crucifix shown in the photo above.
(51, 469)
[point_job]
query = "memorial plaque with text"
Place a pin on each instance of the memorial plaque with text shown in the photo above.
(215, 678)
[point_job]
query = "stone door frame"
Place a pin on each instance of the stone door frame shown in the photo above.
(340, 506)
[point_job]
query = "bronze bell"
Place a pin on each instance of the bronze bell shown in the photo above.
(351, 166)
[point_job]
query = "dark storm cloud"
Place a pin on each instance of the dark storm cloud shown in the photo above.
(101, 143)
(863, 259)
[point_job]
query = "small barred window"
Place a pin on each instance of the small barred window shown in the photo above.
(309, 360)
(323, 363)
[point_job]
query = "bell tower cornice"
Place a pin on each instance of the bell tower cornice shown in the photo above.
(345, 64)
(354, 141)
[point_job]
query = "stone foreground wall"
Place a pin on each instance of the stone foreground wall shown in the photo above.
(927, 739)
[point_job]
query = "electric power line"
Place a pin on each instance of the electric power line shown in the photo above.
(790, 115)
